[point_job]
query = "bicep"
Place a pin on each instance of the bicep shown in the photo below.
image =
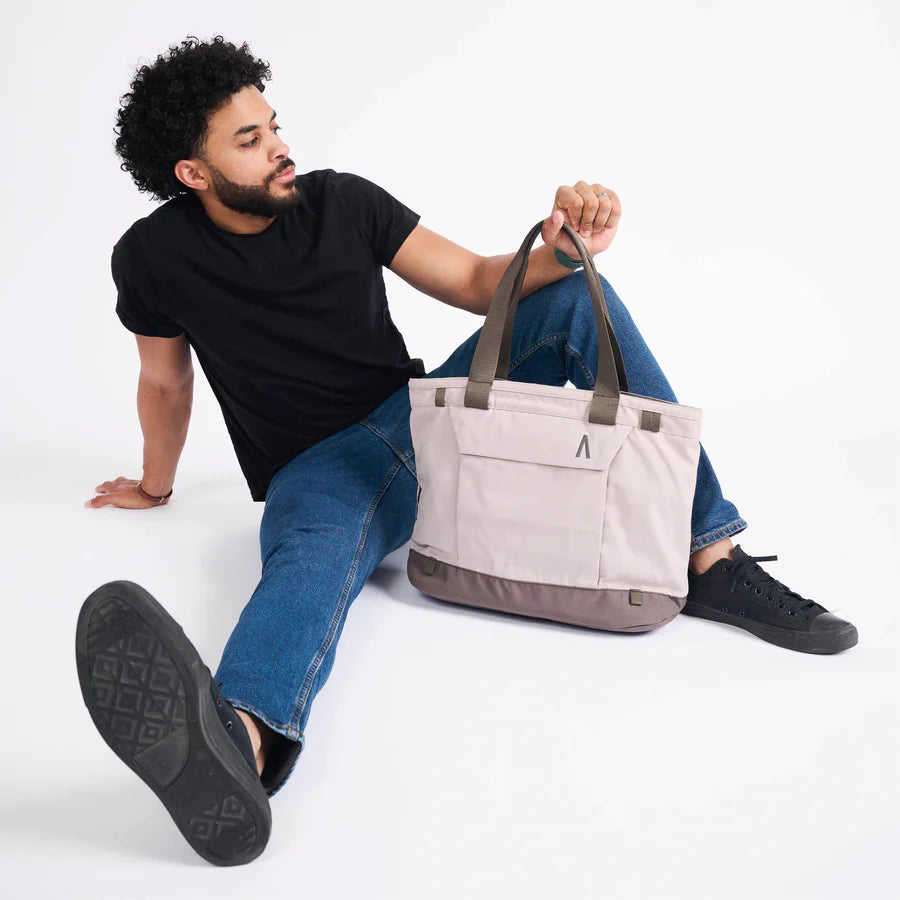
(165, 361)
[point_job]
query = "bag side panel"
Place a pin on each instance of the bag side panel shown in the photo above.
(650, 495)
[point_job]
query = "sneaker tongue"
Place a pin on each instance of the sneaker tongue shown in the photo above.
(237, 732)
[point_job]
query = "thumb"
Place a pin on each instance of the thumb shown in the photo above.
(556, 220)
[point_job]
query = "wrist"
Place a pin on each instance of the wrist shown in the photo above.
(565, 260)
(150, 491)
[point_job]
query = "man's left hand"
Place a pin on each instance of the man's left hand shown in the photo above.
(594, 218)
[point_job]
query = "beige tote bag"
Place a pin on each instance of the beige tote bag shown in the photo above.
(555, 502)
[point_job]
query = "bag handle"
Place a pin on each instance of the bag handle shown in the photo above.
(491, 358)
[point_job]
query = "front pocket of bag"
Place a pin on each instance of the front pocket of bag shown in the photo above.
(530, 521)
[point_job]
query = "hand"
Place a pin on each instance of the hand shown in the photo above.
(123, 493)
(596, 219)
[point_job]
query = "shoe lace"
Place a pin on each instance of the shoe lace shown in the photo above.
(752, 575)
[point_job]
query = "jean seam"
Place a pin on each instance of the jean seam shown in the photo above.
(547, 339)
(711, 537)
(313, 670)
(579, 359)
(400, 454)
(288, 731)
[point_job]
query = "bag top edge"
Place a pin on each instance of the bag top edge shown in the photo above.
(551, 390)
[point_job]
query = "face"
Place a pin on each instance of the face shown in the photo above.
(244, 155)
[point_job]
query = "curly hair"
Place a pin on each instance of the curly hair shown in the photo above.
(165, 116)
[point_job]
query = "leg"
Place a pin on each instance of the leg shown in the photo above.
(331, 515)
(555, 339)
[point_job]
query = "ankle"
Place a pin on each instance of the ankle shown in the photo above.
(260, 737)
(703, 558)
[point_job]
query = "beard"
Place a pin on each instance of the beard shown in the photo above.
(265, 200)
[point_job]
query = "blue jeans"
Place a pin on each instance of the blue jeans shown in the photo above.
(339, 507)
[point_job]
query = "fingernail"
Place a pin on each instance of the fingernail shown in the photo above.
(87, 503)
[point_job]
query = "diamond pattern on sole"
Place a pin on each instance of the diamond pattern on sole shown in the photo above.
(225, 827)
(137, 688)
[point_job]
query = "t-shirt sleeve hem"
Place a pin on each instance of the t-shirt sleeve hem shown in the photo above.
(399, 234)
(148, 331)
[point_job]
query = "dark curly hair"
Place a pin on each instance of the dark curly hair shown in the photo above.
(165, 114)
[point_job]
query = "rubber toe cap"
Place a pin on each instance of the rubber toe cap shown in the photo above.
(828, 621)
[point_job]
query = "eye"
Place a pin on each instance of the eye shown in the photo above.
(251, 143)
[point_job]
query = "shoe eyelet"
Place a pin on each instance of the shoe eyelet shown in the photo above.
(724, 609)
(219, 702)
(781, 606)
(724, 569)
(228, 724)
(792, 612)
(742, 612)
(746, 584)
(757, 591)
(768, 598)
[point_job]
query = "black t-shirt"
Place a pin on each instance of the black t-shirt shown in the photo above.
(290, 325)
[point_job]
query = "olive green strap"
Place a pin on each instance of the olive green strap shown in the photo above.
(491, 359)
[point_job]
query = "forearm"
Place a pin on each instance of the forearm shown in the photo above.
(164, 416)
(543, 268)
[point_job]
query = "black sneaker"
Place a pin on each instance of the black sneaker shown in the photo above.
(739, 592)
(155, 703)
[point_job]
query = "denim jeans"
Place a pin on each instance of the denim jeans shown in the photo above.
(339, 507)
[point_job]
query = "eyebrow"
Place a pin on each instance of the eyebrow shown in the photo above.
(245, 128)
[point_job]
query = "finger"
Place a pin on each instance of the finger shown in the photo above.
(614, 211)
(590, 205)
(117, 484)
(571, 203)
(96, 502)
(604, 206)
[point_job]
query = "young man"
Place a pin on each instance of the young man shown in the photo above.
(274, 278)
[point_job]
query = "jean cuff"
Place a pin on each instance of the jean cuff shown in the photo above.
(711, 537)
(284, 751)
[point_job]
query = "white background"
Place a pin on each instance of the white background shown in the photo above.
(455, 753)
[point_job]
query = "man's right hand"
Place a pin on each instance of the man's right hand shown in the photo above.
(121, 492)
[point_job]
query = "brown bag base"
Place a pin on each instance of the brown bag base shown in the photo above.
(606, 609)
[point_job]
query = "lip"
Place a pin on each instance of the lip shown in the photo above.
(285, 175)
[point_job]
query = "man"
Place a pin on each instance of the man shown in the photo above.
(274, 278)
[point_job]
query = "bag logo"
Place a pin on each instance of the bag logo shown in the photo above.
(587, 448)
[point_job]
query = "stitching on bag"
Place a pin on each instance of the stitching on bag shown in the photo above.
(571, 419)
(502, 390)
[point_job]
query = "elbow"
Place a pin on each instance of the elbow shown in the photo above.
(475, 300)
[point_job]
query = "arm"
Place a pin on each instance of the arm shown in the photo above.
(164, 398)
(456, 276)
(543, 268)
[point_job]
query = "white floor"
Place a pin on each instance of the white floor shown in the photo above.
(456, 753)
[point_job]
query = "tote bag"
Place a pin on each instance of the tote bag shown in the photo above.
(551, 501)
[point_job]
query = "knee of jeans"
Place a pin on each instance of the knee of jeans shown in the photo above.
(618, 312)
(582, 297)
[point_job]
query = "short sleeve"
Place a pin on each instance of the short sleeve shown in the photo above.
(137, 304)
(383, 219)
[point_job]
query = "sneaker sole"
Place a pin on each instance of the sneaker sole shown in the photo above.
(149, 695)
(804, 642)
